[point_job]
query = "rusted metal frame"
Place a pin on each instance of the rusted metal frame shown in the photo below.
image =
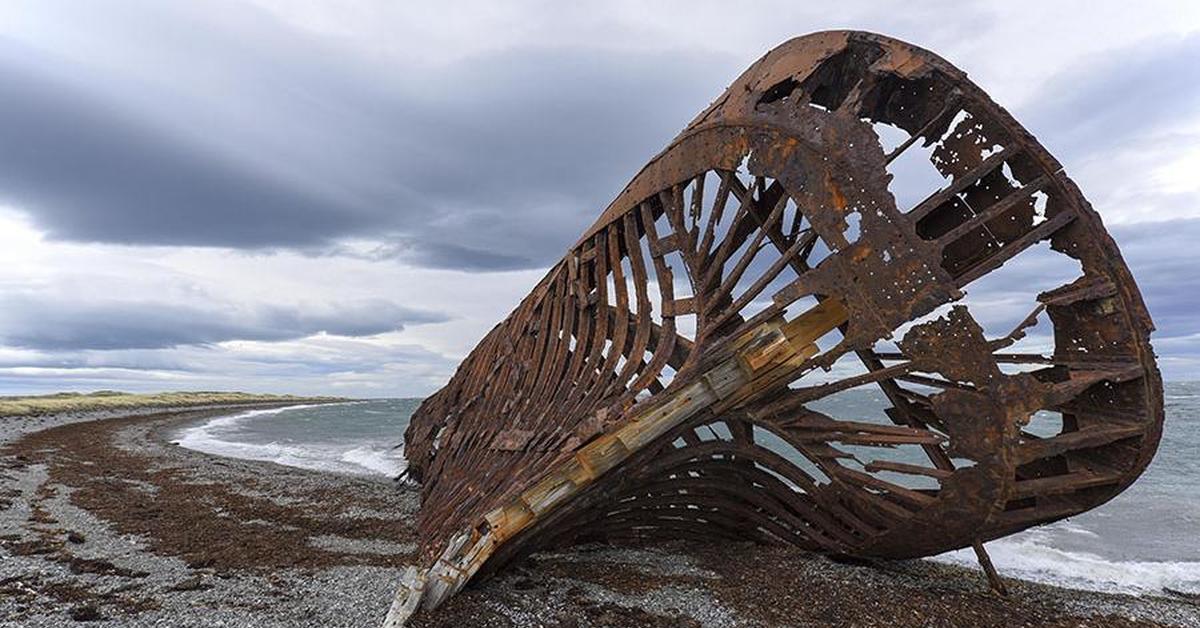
(1086, 288)
(644, 324)
(527, 356)
(584, 332)
(466, 552)
(741, 430)
(437, 461)
(565, 312)
(951, 102)
(772, 195)
(560, 376)
(690, 437)
(1084, 438)
(667, 336)
(877, 507)
(787, 257)
(774, 496)
(855, 433)
(732, 242)
(907, 416)
(934, 382)
(547, 336)
(961, 183)
(934, 452)
(840, 527)
(1010, 250)
(718, 211)
(705, 247)
(778, 464)
(891, 499)
(672, 202)
(586, 521)
(711, 493)
(787, 414)
(551, 338)
(511, 358)
(636, 537)
(648, 521)
(907, 469)
(490, 373)
(641, 337)
(499, 365)
(654, 333)
(667, 519)
(774, 309)
(906, 497)
(696, 210)
(645, 528)
(798, 396)
(733, 512)
(1045, 510)
(1081, 379)
(593, 372)
(632, 533)
(784, 468)
(995, 210)
(1031, 358)
(620, 333)
(852, 102)
(1107, 414)
(735, 274)
(1063, 484)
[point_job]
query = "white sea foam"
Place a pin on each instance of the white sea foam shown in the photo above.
(1028, 556)
(205, 436)
(216, 436)
(381, 461)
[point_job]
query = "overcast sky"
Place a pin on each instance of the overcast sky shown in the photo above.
(290, 196)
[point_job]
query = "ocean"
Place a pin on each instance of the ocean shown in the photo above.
(1144, 540)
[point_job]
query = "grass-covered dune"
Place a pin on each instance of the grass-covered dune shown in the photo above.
(103, 400)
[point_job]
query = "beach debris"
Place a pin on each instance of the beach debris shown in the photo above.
(695, 366)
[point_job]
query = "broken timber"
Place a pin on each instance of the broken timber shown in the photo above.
(655, 384)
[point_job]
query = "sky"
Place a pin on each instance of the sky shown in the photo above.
(343, 198)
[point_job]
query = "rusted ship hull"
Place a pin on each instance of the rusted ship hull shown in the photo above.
(664, 379)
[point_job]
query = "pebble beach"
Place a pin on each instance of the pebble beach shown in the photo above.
(103, 519)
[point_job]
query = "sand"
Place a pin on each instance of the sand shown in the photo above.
(102, 519)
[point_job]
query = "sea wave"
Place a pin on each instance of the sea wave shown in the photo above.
(207, 434)
(1029, 556)
(377, 460)
(218, 436)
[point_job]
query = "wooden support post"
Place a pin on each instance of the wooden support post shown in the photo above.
(985, 562)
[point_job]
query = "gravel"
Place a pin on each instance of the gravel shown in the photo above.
(265, 545)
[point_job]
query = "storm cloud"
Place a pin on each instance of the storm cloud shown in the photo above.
(305, 145)
(55, 324)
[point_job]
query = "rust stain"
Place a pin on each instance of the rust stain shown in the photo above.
(654, 385)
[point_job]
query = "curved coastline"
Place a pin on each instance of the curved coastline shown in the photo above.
(102, 517)
(227, 436)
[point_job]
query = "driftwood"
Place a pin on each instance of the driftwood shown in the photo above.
(658, 383)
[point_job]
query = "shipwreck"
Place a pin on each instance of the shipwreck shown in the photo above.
(670, 376)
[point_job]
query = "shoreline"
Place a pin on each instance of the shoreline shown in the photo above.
(101, 517)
